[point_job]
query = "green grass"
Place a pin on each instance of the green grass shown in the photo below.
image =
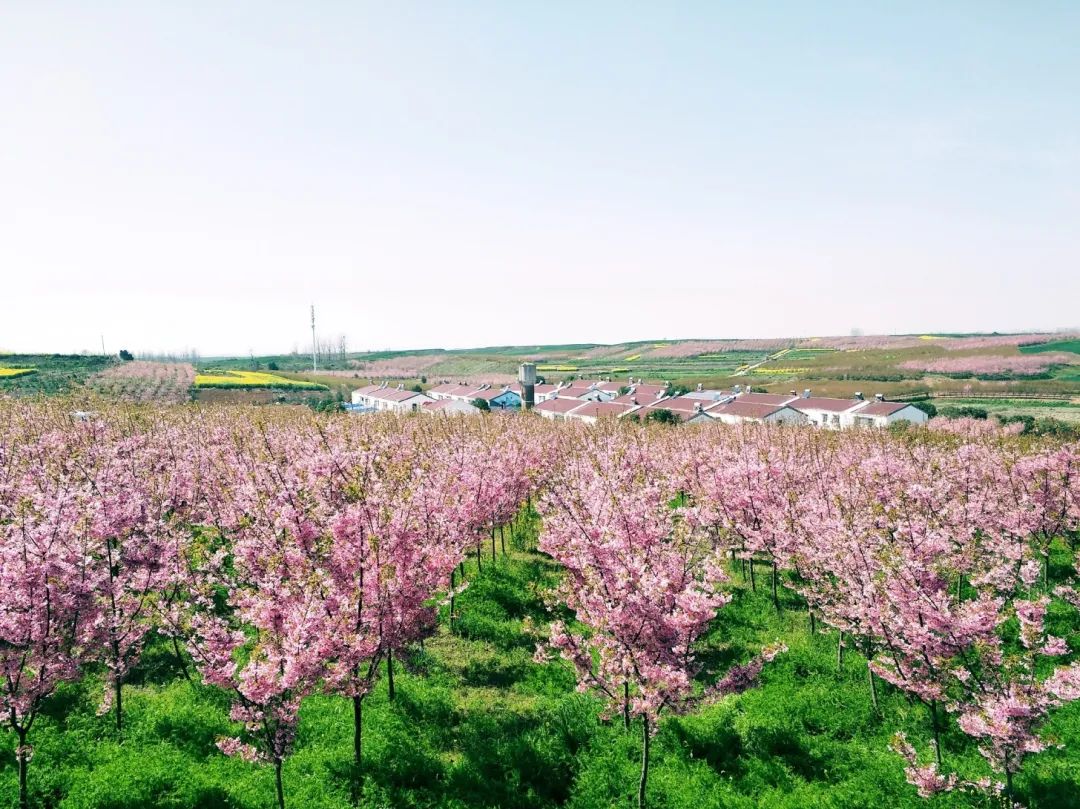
(1060, 345)
(1039, 408)
(54, 373)
(477, 723)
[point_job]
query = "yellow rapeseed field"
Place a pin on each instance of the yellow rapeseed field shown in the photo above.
(11, 373)
(251, 379)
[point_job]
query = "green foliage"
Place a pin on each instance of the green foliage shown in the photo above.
(481, 404)
(126, 355)
(662, 415)
(929, 408)
(964, 411)
(56, 373)
(1060, 345)
(478, 723)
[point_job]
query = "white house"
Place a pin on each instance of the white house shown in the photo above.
(737, 412)
(450, 407)
(557, 409)
(686, 409)
(591, 412)
(385, 398)
(825, 412)
(880, 413)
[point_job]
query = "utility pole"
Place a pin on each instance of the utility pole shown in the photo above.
(103, 346)
(314, 345)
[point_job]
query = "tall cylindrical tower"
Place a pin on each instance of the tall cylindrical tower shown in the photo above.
(527, 378)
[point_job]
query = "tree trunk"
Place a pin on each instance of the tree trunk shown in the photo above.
(644, 762)
(840, 651)
(358, 730)
(753, 579)
(118, 698)
(813, 621)
(479, 562)
(873, 686)
(775, 598)
(180, 659)
(502, 539)
(452, 586)
(277, 783)
(390, 675)
(21, 756)
(626, 706)
(937, 731)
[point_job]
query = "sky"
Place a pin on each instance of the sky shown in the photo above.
(179, 176)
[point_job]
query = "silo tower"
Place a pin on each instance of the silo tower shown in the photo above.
(527, 378)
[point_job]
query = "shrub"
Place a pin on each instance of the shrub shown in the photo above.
(662, 415)
(929, 408)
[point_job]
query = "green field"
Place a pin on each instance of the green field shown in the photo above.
(1040, 409)
(54, 373)
(477, 723)
(1061, 345)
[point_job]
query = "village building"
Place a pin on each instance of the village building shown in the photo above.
(737, 412)
(880, 413)
(450, 407)
(557, 409)
(497, 398)
(825, 412)
(591, 412)
(381, 398)
(687, 410)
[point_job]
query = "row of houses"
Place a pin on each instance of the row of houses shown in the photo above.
(736, 406)
(591, 401)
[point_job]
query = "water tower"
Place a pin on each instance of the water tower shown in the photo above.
(527, 378)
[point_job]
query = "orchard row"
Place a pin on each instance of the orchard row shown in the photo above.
(286, 554)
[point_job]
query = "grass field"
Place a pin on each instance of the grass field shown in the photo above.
(477, 723)
(1051, 409)
(53, 373)
(1060, 345)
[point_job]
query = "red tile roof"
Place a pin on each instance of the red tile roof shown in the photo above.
(821, 403)
(683, 403)
(652, 391)
(445, 387)
(881, 408)
(489, 394)
(575, 389)
(766, 398)
(602, 409)
(610, 387)
(439, 404)
(393, 394)
(747, 410)
(559, 405)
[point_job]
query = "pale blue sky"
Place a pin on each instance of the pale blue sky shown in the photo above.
(475, 173)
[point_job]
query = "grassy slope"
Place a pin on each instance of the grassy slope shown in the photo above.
(478, 724)
(1060, 345)
(56, 373)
